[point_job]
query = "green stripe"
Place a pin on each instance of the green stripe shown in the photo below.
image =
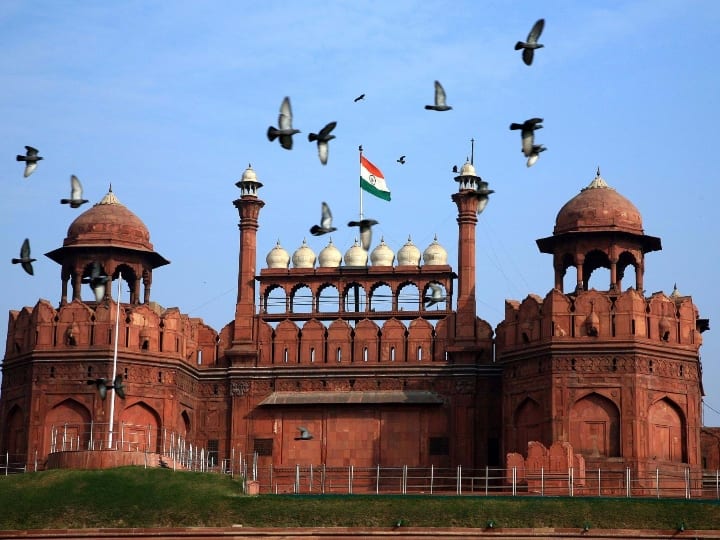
(367, 186)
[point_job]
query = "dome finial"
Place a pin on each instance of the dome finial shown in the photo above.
(597, 174)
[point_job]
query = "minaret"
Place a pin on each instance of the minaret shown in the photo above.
(248, 206)
(471, 200)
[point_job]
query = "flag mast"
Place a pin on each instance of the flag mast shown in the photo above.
(360, 149)
(115, 353)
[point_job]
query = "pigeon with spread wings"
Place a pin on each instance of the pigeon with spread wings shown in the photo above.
(284, 131)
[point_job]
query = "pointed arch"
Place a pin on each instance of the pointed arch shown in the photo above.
(69, 420)
(14, 436)
(528, 424)
(139, 425)
(666, 438)
(595, 426)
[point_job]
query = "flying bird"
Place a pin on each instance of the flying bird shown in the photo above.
(305, 434)
(365, 226)
(103, 386)
(436, 296)
(531, 44)
(323, 138)
(455, 169)
(527, 133)
(325, 222)
(440, 104)
(285, 130)
(25, 260)
(401, 160)
(30, 158)
(97, 281)
(359, 98)
(535, 154)
(76, 193)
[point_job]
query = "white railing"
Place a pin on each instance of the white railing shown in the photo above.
(678, 483)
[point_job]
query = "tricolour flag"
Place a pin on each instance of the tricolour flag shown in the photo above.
(372, 179)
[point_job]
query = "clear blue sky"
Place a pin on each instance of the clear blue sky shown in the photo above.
(170, 101)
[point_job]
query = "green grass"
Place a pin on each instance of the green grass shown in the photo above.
(137, 497)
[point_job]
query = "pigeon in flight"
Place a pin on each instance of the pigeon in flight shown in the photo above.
(76, 193)
(285, 130)
(437, 295)
(359, 98)
(531, 44)
(325, 222)
(30, 158)
(535, 154)
(25, 260)
(97, 281)
(440, 104)
(401, 160)
(323, 138)
(305, 434)
(103, 386)
(365, 231)
(527, 133)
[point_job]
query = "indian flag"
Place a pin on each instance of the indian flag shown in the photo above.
(372, 179)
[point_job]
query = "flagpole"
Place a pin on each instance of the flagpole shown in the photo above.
(360, 184)
(115, 353)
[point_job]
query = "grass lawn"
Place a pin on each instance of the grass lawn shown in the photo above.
(138, 497)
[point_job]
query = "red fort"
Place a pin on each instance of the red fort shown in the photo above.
(345, 348)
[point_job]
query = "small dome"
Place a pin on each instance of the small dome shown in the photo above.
(408, 255)
(249, 175)
(278, 257)
(382, 255)
(435, 253)
(330, 256)
(109, 223)
(598, 207)
(468, 170)
(356, 255)
(304, 257)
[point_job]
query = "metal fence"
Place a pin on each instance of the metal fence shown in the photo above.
(404, 480)
(172, 449)
(165, 448)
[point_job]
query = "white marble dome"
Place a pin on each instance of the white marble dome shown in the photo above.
(409, 254)
(330, 256)
(468, 169)
(304, 257)
(435, 253)
(278, 257)
(382, 255)
(356, 255)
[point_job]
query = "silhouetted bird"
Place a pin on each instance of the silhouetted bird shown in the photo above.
(531, 44)
(30, 158)
(322, 139)
(305, 435)
(455, 169)
(527, 133)
(436, 297)
(365, 226)
(25, 260)
(285, 130)
(97, 281)
(359, 98)
(76, 193)
(325, 222)
(103, 386)
(440, 100)
(535, 154)
(401, 160)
